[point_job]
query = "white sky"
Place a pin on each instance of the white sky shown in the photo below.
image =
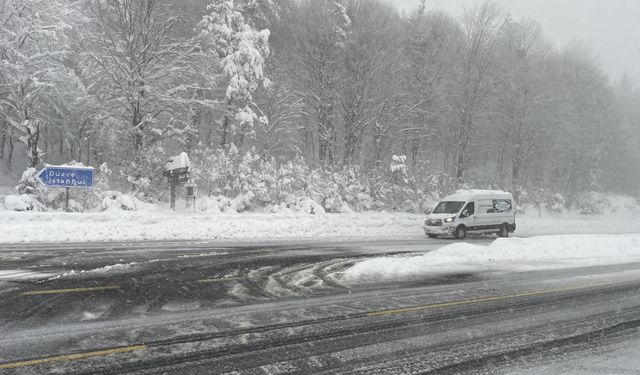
(611, 28)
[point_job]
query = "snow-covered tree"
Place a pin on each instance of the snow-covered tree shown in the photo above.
(242, 51)
(476, 82)
(141, 76)
(371, 52)
(398, 167)
(481, 101)
(322, 27)
(582, 129)
(33, 76)
(524, 98)
(433, 48)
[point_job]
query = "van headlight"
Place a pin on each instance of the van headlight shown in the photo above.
(449, 219)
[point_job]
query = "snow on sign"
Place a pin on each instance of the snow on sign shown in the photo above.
(178, 162)
(66, 176)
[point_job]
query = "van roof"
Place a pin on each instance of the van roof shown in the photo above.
(464, 195)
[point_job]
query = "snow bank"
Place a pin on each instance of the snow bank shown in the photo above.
(23, 202)
(116, 200)
(149, 224)
(574, 223)
(153, 222)
(21, 274)
(510, 254)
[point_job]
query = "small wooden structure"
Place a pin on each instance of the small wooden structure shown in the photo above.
(177, 171)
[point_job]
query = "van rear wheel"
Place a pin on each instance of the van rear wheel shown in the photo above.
(504, 231)
(461, 232)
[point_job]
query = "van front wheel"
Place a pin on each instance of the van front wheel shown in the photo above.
(504, 231)
(461, 232)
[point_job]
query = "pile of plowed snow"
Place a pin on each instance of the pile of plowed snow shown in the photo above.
(504, 254)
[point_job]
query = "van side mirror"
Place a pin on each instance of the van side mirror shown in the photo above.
(465, 213)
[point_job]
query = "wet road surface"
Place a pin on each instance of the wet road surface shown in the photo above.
(282, 307)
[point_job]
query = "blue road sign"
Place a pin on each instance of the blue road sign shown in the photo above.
(66, 177)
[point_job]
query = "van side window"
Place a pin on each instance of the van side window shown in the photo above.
(502, 205)
(485, 206)
(468, 210)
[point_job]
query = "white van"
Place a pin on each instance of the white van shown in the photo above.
(472, 211)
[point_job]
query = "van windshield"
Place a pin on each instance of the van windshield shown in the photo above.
(447, 208)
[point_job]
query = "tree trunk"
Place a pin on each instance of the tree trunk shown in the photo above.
(445, 157)
(196, 117)
(11, 147)
(224, 131)
(326, 138)
(61, 149)
(515, 170)
(79, 150)
(89, 149)
(32, 145)
(137, 128)
(226, 123)
(464, 138)
(241, 136)
(460, 165)
(3, 141)
(350, 141)
(352, 131)
(461, 161)
(377, 146)
(415, 148)
(45, 141)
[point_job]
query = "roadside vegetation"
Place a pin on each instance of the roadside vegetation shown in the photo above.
(333, 105)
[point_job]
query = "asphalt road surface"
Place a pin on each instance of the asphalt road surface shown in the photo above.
(275, 308)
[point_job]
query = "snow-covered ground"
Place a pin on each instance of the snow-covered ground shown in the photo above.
(531, 225)
(504, 254)
(153, 223)
(162, 225)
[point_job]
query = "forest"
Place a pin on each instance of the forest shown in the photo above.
(350, 103)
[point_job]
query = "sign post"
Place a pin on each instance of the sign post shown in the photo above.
(192, 192)
(62, 176)
(66, 199)
(177, 172)
(540, 202)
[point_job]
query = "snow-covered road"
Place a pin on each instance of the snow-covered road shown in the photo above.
(265, 308)
(620, 357)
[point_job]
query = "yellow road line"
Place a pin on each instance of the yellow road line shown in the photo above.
(72, 357)
(71, 290)
(127, 349)
(479, 300)
(222, 279)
